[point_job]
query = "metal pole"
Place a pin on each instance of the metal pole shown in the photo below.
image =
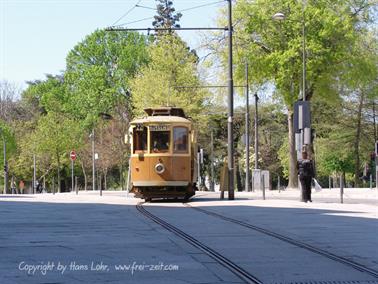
(72, 175)
(93, 161)
(198, 170)
(230, 150)
(5, 164)
(256, 133)
(76, 188)
(371, 181)
(212, 181)
(329, 182)
(34, 175)
(341, 189)
(279, 183)
(246, 129)
(304, 52)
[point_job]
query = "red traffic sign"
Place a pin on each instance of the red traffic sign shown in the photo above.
(73, 155)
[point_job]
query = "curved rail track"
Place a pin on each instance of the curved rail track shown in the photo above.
(289, 240)
(222, 260)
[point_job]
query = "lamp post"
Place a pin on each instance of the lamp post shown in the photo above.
(5, 162)
(282, 17)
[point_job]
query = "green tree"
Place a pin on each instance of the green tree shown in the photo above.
(166, 17)
(99, 70)
(162, 82)
(274, 50)
(55, 136)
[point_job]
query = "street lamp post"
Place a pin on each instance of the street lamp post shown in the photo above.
(282, 17)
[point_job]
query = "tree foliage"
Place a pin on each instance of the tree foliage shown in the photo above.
(164, 81)
(166, 16)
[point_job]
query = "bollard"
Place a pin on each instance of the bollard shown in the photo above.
(341, 189)
(279, 184)
(371, 182)
(253, 183)
(76, 188)
(263, 185)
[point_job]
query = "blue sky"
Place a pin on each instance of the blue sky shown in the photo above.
(36, 35)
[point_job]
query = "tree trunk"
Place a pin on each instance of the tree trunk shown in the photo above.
(357, 142)
(293, 174)
(85, 175)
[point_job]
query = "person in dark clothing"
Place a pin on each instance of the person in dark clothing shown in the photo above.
(306, 173)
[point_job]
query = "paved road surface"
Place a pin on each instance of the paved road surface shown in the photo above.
(93, 238)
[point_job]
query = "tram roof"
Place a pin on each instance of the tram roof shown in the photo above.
(160, 119)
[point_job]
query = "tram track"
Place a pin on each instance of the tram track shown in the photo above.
(291, 241)
(222, 260)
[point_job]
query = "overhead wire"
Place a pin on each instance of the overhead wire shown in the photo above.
(128, 12)
(150, 18)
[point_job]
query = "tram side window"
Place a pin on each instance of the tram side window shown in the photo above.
(160, 141)
(140, 140)
(180, 140)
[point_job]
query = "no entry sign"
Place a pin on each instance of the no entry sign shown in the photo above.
(73, 155)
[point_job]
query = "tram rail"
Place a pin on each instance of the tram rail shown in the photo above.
(222, 260)
(289, 240)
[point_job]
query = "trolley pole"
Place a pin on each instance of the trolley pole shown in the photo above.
(230, 150)
(246, 129)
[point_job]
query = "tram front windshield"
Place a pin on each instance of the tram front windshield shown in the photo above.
(160, 141)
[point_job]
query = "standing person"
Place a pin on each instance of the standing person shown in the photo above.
(13, 186)
(306, 173)
(21, 186)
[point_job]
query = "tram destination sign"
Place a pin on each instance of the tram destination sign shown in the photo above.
(159, 127)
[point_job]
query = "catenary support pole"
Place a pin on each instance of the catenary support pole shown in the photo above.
(230, 136)
(247, 178)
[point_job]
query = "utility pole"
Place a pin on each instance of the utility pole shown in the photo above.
(256, 133)
(230, 150)
(246, 129)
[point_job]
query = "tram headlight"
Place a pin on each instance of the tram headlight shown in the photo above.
(159, 168)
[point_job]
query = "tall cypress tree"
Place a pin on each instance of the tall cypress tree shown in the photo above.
(166, 16)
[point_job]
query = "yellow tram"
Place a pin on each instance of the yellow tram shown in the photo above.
(163, 154)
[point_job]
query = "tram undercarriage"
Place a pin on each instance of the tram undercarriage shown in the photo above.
(166, 192)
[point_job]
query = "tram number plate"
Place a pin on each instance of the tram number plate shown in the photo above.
(160, 127)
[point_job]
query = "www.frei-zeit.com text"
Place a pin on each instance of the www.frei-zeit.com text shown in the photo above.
(60, 267)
